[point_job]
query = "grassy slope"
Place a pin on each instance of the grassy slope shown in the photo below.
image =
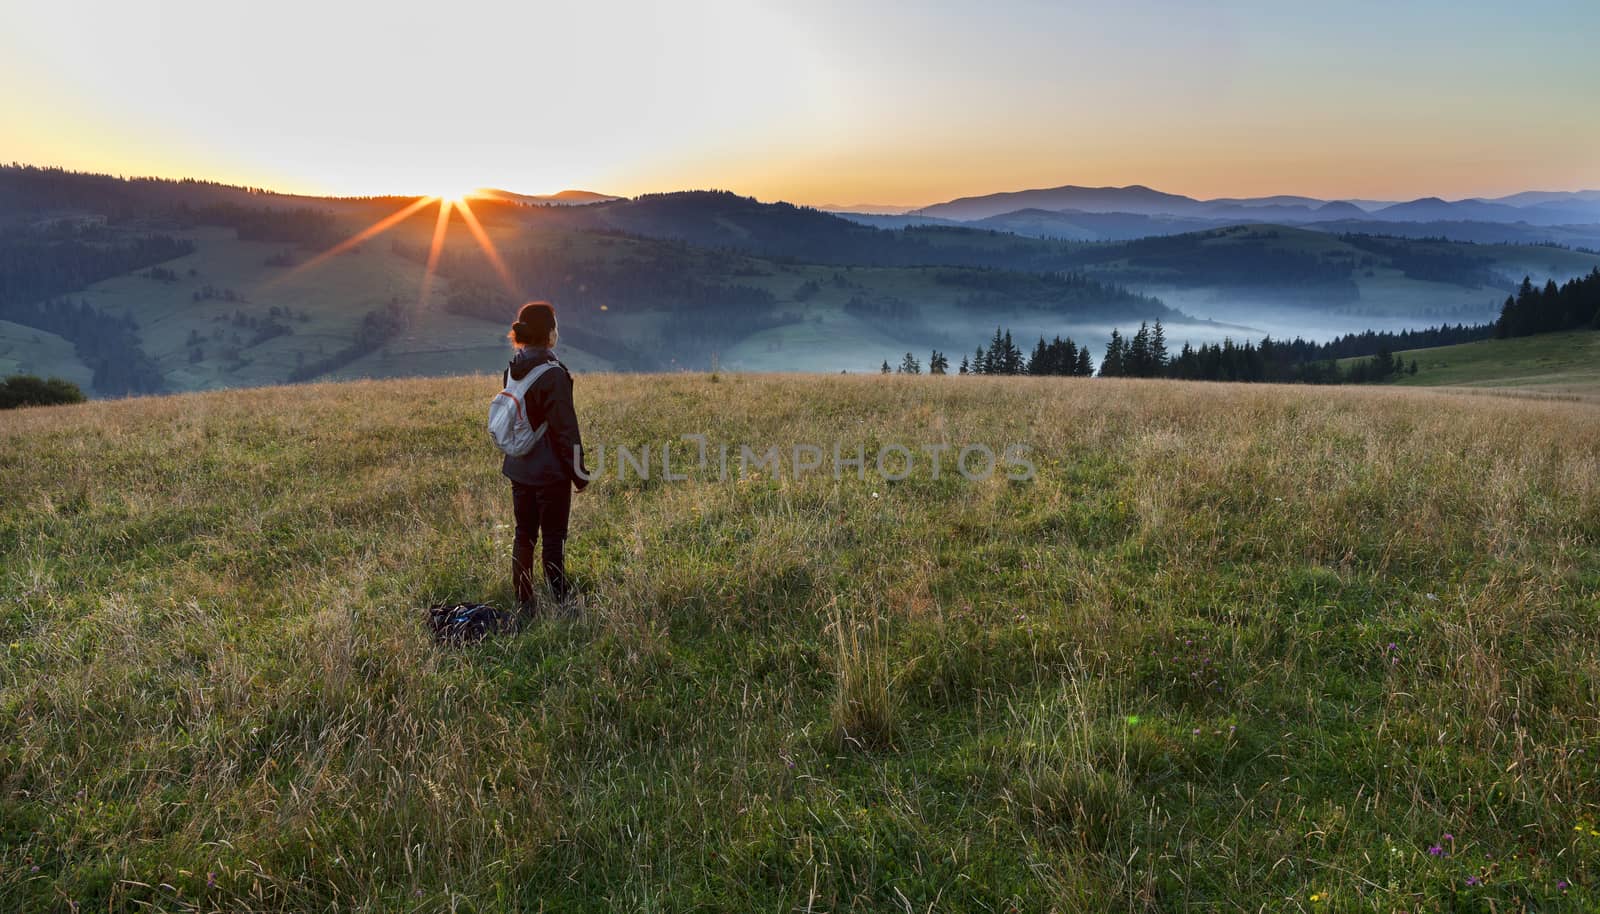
(339, 292)
(335, 295)
(1237, 648)
(1555, 363)
(25, 350)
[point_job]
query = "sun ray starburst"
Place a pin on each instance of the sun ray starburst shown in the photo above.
(489, 250)
(448, 204)
(371, 231)
(435, 248)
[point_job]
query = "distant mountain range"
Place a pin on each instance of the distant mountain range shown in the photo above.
(1120, 213)
(1532, 207)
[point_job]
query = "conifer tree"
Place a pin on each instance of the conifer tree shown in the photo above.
(1137, 362)
(1037, 363)
(994, 362)
(1112, 365)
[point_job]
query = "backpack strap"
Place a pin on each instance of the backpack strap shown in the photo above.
(524, 385)
(519, 386)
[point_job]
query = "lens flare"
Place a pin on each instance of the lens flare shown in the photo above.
(371, 231)
(435, 248)
(454, 201)
(489, 251)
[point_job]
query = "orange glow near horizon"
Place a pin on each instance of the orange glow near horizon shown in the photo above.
(821, 103)
(457, 195)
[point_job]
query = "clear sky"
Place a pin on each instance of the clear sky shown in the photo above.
(813, 101)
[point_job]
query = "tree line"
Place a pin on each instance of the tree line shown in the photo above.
(1574, 305)
(1061, 357)
(36, 268)
(1145, 355)
(28, 390)
(109, 344)
(38, 265)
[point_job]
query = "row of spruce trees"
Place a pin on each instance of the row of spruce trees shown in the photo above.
(1573, 305)
(1145, 355)
(1004, 357)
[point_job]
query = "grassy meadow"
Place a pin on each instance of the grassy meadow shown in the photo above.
(1560, 364)
(1235, 648)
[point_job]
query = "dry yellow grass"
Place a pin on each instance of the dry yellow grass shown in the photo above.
(1234, 646)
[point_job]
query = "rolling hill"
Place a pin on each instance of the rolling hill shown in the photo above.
(1567, 218)
(1532, 207)
(238, 293)
(1560, 364)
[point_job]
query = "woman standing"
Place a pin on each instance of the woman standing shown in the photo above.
(542, 480)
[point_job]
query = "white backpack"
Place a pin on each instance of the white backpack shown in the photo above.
(508, 414)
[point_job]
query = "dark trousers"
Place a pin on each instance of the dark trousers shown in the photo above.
(540, 510)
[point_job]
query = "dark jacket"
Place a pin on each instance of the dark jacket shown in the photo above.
(551, 462)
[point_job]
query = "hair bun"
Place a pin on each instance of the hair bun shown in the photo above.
(521, 328)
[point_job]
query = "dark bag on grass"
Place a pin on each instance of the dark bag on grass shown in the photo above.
(466, 623)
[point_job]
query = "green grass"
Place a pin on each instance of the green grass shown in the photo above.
(1236, 648)
(1552, 363)
(26, 350)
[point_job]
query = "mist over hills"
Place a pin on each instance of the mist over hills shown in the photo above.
(205, 285)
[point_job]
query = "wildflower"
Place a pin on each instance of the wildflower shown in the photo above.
(211, 880)
(1449, 837)
(16, 645)
(1316, 897)
(1431, 597)
(1472, 880)
(874, 494)
(1562, 885)
(1435, 851)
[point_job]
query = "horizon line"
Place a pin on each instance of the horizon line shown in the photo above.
(907, 208)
